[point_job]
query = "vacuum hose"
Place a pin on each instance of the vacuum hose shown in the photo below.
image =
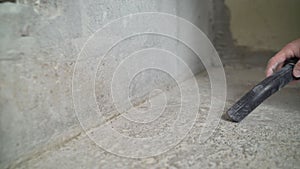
(262, 91)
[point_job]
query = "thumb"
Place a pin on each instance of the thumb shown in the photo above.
(296, 71)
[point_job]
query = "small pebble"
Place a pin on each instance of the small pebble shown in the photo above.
(150, 161)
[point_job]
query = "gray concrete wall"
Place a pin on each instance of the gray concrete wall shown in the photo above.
(38, 48)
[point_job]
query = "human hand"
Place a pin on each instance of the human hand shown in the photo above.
(276, 62)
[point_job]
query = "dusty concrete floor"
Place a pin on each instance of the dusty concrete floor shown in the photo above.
(268, 138)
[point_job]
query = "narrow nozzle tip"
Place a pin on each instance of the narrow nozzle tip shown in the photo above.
(226, 116)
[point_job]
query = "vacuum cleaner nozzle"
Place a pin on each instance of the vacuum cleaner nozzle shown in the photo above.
(262, 91)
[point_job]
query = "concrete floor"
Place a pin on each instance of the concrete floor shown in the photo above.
(268, 138)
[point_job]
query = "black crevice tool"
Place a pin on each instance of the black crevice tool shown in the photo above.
(262, 91)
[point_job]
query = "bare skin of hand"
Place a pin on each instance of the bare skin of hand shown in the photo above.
(276, 62)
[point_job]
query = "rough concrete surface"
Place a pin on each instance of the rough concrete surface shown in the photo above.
(40, 41)
(267, 138)
(39, 128)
